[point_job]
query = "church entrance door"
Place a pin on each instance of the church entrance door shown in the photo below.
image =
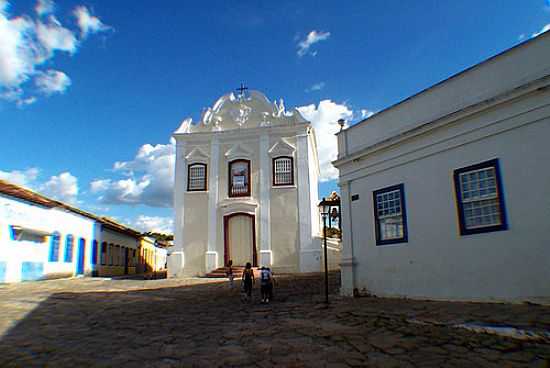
(240, 242)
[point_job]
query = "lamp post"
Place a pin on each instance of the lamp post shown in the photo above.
(329, 209)
(325, 208)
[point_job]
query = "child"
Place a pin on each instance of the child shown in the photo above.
(248, 279)
(266, 284)
(230, 273)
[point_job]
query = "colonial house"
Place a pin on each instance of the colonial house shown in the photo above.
(152, 256)
(246, 188)
(446, 194)
(41, 238)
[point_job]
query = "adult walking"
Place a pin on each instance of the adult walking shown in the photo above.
(266, 284)
(248, 279)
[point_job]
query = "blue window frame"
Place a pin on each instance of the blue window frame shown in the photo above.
(69, 246)
(94, 252)
(390, 215)
(13, 234)
(480, 198)
(54, 247)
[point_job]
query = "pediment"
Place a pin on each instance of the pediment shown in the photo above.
(282, 148)
(238, 151)
(197, 155)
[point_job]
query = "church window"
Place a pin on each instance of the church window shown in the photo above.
(54, 247)
(283, 171)
(390, 215)
(196, 177)
(239, 178)
(479, 198)
(69, 245)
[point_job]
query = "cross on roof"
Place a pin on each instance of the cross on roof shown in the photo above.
(241, 89)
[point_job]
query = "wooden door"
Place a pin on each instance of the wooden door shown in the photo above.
(240, 237)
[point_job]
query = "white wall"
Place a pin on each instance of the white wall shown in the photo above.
(200, 215)
(437, 262)
(27, 215)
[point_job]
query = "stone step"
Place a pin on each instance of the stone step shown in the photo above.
(237, 272)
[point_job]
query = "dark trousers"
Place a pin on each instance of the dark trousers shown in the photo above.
(266, 290)
(248, 286)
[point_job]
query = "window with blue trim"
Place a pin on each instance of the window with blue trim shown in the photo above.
(479, 198)
(69, 246)
(94, 252)
(390, 215)
(54, 247)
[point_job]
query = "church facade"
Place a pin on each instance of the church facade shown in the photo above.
(445, 195)
(246, 189)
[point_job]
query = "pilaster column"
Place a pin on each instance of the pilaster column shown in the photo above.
(176, 260)
(309, 257)
(266, 255)
(212, 258)
(347, 262)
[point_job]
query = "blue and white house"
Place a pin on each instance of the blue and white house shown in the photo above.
(41, 238)
(446, 195)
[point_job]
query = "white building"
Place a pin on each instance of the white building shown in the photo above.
(41, 238)
(245, 189)
(447, 194)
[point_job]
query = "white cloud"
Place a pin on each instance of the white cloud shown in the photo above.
(546, 28)
(366, 113)
(157, 224)
(316, 87)
(312, 38)
(52, 81)
(53, 36)
(44, 7)
(324, 119)
(63, 187)
(150, 178)
(25, 178)
(16, 57)
(27, 45)
(88, 23)
(97, 186)
(21, 102)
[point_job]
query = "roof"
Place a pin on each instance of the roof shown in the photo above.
(230, 112)
(16, 191)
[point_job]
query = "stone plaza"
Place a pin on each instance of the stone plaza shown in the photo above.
(198, 322)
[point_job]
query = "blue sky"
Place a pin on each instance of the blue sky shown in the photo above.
(111, 78)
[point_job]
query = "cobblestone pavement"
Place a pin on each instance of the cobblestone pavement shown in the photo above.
(197, 322)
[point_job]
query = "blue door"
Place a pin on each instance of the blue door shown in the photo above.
(81, 256)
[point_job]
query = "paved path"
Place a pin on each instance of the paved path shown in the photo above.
(197, 322)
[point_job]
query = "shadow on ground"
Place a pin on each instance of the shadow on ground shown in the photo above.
(207, 325)
(145, 327)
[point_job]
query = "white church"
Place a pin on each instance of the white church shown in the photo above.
(246, 189)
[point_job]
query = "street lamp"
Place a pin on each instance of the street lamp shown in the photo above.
(330, 210)
(325, 213)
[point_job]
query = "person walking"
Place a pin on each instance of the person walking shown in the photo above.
(265, 284)
(230, 275)
(248, 279)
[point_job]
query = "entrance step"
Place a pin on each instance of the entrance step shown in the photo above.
(237, 272)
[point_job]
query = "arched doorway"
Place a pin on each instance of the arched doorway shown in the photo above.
(240, 239)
